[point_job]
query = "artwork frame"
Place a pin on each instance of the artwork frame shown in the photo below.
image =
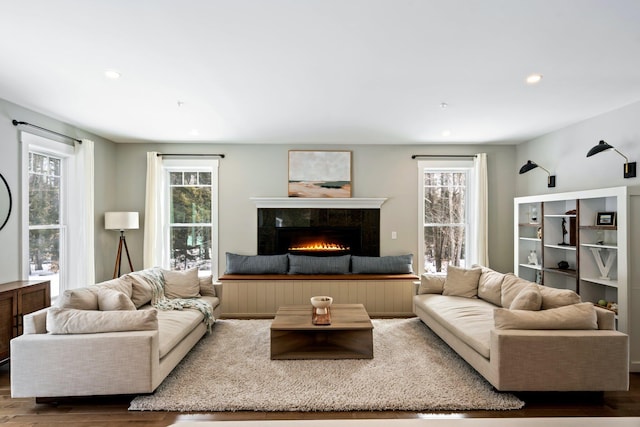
(606, 219)
(319, 173)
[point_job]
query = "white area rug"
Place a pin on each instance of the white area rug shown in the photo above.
(412, 370)
(428, 422)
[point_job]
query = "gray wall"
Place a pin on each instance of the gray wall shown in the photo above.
(564, 153)
(251, 170)
(105, 169)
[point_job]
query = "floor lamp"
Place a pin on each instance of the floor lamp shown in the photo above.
(121, 221)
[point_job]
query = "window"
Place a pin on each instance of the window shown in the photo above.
(191, 215)
(445, 214)
(44, 211)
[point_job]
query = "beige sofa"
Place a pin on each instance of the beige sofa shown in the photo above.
(521, 336)
(97, 341)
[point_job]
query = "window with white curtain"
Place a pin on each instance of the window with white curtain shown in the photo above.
(445, 216)
(190, 214)
(45, 211)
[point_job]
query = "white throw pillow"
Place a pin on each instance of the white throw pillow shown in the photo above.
(81, 299)
(111, 300)
(181, 284)
(528, 299)
(72, 321)
(576, 316)
(462, 282)
(431, 283)
(206, 286)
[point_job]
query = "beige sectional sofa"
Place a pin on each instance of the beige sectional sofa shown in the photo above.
(522, 336)
(110, 339)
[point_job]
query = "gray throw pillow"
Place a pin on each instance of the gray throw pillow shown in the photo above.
(257, 264)
(303, 264)
(398, 264)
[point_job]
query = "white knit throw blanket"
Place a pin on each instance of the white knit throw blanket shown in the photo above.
(155, 278)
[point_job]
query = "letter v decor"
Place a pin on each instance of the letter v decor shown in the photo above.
(604, 266)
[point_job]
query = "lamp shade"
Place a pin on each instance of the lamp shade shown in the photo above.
(602, 146)
(121, 220)
(528, 166)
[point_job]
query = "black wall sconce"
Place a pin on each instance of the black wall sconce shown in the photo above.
(551, 179)
(629, 168)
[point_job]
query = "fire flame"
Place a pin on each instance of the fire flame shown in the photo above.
(320, 247)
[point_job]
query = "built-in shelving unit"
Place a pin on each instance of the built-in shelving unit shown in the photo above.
(573, 251)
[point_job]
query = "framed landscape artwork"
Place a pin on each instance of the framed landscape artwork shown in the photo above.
(319, 173)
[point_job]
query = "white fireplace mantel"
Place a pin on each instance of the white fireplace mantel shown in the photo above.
(319, 203)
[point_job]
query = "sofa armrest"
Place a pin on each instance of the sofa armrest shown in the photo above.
(571, 360)
(218, 287)
(36, 322)
(606, 318)
(45, 365)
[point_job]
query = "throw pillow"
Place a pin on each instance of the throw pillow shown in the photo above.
(181, 284)
(431, 283)
(141, 290)
(72, 321)
(257, 264)
(528, 299)
(576, 316)
(111, 300)
(553, 297)
(398, 264)
(490, 286)
(304, 264)
(512, 285)
(119, 284)
(206, 286)
(462, 282)
(81, 299)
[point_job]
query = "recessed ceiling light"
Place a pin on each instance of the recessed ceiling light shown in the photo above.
(446, 133)
(112, 74)
(443, 105)
(534, 78)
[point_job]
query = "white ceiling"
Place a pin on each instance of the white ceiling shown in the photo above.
(320, 71)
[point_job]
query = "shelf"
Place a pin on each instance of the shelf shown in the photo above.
(531, 239)
(595, 245)
(598, 281)
(599, 227)
(529, 224)
(565, 272)
(531, 266)
(566, 248)
(560, 216)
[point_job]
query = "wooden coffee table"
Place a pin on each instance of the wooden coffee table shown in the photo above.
(349, 336)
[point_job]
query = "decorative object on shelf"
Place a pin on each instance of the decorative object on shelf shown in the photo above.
(609, 305)
(319, 173)
(551, 179)
(606, 218)
(321, 310)
(564, 233)
(629, 167)
(121, 221)
(539, 233)
(539, 277)
(572, 226)
(563, 265)
(533, 215)
(604, 265)
(5, 202)
(533, 258)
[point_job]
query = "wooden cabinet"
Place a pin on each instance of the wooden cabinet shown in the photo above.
(599, 250)
(16, 300)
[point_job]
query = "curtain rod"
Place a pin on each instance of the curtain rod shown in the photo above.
(466, 156)
(189, 155)
(17, 123)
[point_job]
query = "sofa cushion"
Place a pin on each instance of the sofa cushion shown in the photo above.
(118, 284)
(469, 319)
(80, 299)
(110, 300)
(141, 289)
(303, 264)
(174, 325)
(528, 299)
(576, 316)
(462, 282)
(257, 264)
(181, 284)
(553, 297)
(72, 321)
(490, 286)
(431, 283)
(511, 287)
(206, 286)
(398, 264)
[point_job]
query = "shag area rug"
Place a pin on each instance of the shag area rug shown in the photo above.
(412, 370)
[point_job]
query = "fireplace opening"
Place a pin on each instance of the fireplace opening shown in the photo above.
(318, 241)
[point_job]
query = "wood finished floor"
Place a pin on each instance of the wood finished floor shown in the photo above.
(112, 411)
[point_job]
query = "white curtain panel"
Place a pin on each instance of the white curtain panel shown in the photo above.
(153, 235)
(81, 265)
(480, 207)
